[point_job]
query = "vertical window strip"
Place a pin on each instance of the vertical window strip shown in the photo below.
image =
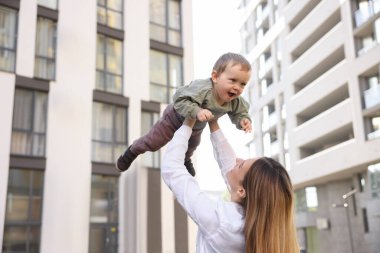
(8, 24)
(23, 211)
(45, 49)
(109, 66)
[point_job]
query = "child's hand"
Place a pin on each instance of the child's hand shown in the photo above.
(246, 125)
(204, 115)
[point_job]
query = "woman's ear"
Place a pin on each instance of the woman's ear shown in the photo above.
(241, 192)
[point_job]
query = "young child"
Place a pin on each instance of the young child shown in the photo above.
(202, 100)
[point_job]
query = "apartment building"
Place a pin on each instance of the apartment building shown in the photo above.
(79, 81)
(315, 97)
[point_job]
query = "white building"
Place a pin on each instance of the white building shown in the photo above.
(315, 96)
(79, 81)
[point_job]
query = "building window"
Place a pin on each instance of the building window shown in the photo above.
(374, 125)
(29, 123)
(104, 214)
(109, 132)
(110, 13)
(150, 159)
(52, 4)
(23, 211)
(165, 75)
(45, 49)
(109, 64)
(374, 177)
(165, 21)
(306, 199)
(8, 20)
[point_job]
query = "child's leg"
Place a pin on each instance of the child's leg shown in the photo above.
(160, 133)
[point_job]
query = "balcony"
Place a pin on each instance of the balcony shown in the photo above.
(372, 96)
(366, 12)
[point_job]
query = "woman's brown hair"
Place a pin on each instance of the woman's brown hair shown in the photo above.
(269, 224)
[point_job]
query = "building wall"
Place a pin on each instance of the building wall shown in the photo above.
(308, 105)
(68, 170)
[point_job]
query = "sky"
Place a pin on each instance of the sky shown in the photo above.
(216, 31)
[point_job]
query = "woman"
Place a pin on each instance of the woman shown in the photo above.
(259, 217)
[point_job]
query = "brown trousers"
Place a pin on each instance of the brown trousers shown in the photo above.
(162, 132)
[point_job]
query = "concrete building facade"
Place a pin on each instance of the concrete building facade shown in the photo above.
(315, 98)
(79, 81)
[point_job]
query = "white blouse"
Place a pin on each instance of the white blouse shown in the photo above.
(220, 223)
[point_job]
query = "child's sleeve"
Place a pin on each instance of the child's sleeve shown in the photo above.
(188, 99)
(239, 111)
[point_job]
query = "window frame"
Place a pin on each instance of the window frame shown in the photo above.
(106, 226)
(166, 26)
(15, 8)
(104, 72)
(44, 57)
(107, 9)
(31, 131)
(29, 223)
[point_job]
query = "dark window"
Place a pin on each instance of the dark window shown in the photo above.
(45, 49)
(365, 220)
(29, 123)
(8, 23)
(104, 214)
(23, 211)
(109, 64)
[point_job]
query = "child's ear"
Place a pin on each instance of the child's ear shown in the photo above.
(214, 75)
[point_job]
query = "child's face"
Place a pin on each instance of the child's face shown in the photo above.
(229, 84)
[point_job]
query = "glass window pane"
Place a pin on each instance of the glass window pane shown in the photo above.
(157, 33)
(157, 11)
(121, 125)
(114, 56)
(175, 74)
(102, 15)
(175, 38)
(15, 239)
(45, 37)
(97, 240)
(52, 4)
(40, 112)
(37, 190)
(115, 19)
(21, 143)
(22, 114)
(102, 122)
(45, 49)
(158, 68)
(7, 28)
(100, 80)
(7, 60)
(104, 199)
(18, 195)
(102, 152)
(115, 5)
(174, 15)
(114, 83)
(158, 93)
(100, 52)
(38, 145)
